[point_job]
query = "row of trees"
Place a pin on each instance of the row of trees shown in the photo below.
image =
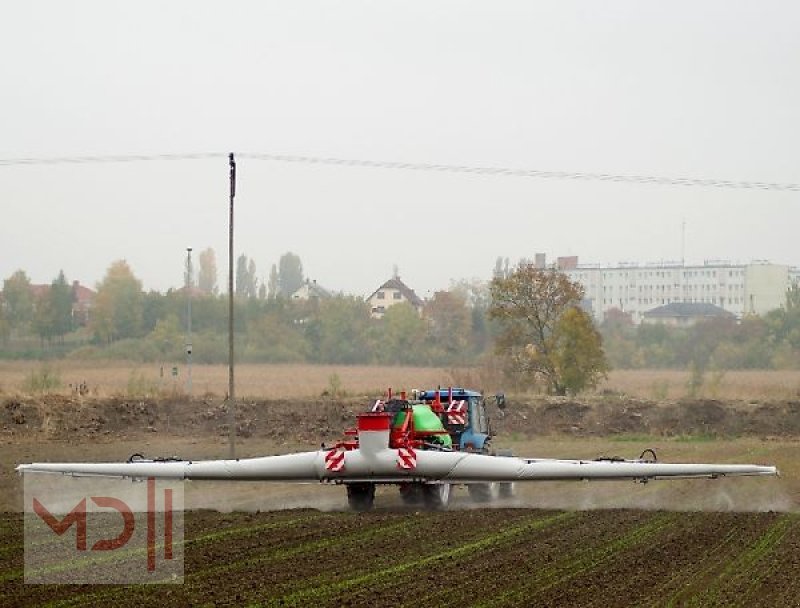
(530, 317)
(47, 312)
(755, 342)
(285, 278)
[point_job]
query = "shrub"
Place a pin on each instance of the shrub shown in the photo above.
(43, 380)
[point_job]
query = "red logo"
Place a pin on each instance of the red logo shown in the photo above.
(78, 517)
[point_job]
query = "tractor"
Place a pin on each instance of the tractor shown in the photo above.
(452, 419)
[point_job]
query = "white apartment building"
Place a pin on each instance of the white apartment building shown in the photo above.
(741, 289)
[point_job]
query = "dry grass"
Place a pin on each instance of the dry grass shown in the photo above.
(672, 384)
(273, 381)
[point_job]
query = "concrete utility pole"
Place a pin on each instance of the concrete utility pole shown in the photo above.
(189, 320)
(231, 397)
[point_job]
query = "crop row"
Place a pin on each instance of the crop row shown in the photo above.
(493, 558)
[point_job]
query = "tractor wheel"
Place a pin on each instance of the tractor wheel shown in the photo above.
(361, 496)
(412, 493)
(483, 492)
(507, 487)
(436, 495)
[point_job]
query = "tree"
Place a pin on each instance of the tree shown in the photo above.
(477, 296)
(62, 298)
(166, 337)
(290, 274)
(402, 336)
(341, 332)
(245, 277)
(543, 332)
(118, 307)
(53, 310)
(5, 329)
(578, 356)
(18, 301)
(450, 323)
(273, 287)
(207, 275)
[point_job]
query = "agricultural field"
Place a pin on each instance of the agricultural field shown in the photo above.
(109, 378)
(724, 542)
(486, 557)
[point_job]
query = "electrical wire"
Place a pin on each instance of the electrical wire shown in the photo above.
(429, 167)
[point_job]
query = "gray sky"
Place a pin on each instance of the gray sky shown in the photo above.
(682, 89)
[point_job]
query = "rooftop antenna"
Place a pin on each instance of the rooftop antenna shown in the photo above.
(682, 273)
(683, 242)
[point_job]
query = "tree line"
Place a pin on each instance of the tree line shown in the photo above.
(530, 319)
(128, 323)
(770, 341)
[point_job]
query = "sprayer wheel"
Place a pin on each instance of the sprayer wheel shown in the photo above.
(361, 496)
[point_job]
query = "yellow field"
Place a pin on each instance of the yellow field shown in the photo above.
(270, 381)
(295, 380)
(672, 384)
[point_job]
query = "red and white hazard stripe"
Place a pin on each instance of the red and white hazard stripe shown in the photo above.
(457, 412)
(406, 459)
(334, 460)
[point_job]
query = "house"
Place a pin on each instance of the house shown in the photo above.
(685, 314)
(392, 292)
(310, 290)
(82, 300)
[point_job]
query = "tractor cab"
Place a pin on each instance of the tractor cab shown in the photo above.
(463, 413)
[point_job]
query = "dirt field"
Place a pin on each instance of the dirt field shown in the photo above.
(503, 557)
(726, 542)
(58, 428)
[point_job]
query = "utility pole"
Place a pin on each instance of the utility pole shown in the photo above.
(231, 397)
(189, 320)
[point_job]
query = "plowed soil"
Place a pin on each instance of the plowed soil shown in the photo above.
(556, 554)
(502, 557)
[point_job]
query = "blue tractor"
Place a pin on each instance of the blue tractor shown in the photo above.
(465, 417)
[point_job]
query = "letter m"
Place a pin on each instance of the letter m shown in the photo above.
(77, 516)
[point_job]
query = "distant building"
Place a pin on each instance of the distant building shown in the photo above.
(634, 288)
(82, 301)
(392, 292)
(685, 314)
(311, 291)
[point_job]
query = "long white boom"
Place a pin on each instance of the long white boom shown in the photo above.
(384, 465)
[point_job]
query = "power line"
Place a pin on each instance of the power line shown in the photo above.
(119, 158)
(430, 167)
(508, 172)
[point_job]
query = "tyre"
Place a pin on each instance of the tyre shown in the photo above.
(506, 489)
(361, 496)
(436, 495)
(483, 492)
(412, 493)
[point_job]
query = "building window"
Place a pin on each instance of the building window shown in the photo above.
(381, 295)
(396, 295)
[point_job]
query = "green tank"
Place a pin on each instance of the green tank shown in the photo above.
(426, 421)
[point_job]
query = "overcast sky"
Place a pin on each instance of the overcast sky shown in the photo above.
(678, 89)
